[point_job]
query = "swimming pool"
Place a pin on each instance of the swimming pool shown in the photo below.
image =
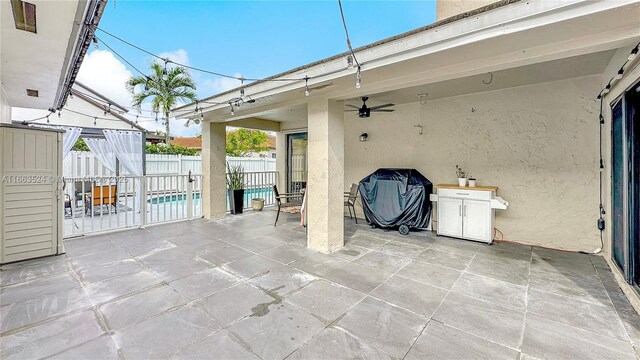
(265, 193)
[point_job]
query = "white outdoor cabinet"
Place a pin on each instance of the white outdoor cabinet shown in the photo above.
(467, 213)
(30, 193)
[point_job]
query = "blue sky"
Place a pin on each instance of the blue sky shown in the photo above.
(248, 38)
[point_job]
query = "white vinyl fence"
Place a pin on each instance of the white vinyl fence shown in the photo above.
(80, 164)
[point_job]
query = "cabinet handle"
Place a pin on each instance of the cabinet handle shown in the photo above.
(462, 193)
(460, 209)
(464, 210)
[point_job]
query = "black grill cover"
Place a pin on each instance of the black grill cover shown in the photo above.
(394, 197)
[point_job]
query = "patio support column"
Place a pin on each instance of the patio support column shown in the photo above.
(325, 182)
(214, 194)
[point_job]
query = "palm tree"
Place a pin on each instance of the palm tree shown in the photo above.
(165, 86)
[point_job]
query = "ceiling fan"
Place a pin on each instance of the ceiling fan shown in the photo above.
(365, 111)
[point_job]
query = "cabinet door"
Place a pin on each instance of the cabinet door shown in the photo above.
(476, 221)
(449, 217)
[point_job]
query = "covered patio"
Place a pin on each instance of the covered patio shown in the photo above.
(240, 288)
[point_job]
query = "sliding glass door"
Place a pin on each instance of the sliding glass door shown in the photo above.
(296, 162)
(625, 184)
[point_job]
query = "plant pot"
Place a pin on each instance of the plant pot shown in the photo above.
(257, 204)
(472, 182)
(462, 181)
(236, 201)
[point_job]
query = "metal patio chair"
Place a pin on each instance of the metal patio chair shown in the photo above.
(286, 200)
(350, 201)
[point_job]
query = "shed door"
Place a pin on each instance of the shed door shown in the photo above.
(30, 194)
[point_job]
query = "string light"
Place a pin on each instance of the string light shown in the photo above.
(191, 67)
(232, 109)
(48, 119)
(95, 121)
(306, 86)
(620, 74)
(633, 53)
(59, 114)
(358, 78)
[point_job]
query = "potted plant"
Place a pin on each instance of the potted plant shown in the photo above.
(462, 176)
(472, 181)
(235, 188)
(257, 204)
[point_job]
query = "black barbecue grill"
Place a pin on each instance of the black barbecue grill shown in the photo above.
(396, 198)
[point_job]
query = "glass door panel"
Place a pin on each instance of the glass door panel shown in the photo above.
(296, 162)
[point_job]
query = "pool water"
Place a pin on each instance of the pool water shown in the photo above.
(265, 193)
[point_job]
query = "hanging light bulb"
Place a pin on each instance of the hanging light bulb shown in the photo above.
(95, 42)
(358, 78)
(306, 86)
(136, 119)
(95, 121)
(59, 114)
(156, 116)
(620, 73)
(633, 54)
(47, 119)
(164, 71)
(232, 109)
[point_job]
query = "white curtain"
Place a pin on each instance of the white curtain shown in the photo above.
(127, 146)
(69, 138)
(71, 135)
(102, 150)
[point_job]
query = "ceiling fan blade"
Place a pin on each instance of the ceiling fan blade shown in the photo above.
(381, 106)
(352, 106)
(383, 110)
(352, 110)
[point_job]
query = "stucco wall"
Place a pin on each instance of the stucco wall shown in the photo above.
(537, 143)
(5, 109)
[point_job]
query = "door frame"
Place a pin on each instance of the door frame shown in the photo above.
(630, 151)
(289, 166)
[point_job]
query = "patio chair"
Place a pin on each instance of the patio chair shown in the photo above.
(290, 200)
(102, 195)
(350, 201)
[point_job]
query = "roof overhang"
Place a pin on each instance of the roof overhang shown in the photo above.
(46, 61)
(485, 40)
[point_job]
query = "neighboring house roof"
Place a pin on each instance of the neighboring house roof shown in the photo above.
(196, 142)
(271, 142)
(92, 99)
(82, 90)
(189, 142)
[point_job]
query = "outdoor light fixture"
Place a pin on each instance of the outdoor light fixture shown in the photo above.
(306, 86)
(633, 54)
(363, 137)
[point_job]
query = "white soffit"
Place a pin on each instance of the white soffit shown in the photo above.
(38, 61)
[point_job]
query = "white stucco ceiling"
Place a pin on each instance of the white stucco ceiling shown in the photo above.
(38, 61)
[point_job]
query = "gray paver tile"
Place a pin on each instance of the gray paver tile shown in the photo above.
(391, 329)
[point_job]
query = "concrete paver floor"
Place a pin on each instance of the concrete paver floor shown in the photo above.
(240, 288)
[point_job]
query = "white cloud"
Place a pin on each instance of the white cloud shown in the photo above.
(211, 86)
(104, 73)
(179, 56)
